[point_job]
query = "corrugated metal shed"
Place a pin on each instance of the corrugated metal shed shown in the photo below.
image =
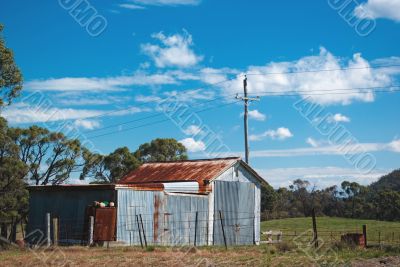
(166, 198)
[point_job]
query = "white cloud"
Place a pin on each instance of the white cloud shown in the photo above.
(351, 149)
(280, 134)
(190, 95)
(277, 77)
(118, 83)
(312, 142)
(322, 177)
(338, 118)
(374, 9)
(87, 124)
(147, 99)
(131, 6)
(192, 130)
(167, 2)
(256, 115)
(395, 146)
(174, 51)
(193, 145)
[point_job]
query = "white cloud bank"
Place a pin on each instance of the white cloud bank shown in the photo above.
(174, 51)
(322, 177)
(281, 133)
(303, 77)
(25, 113)
(374, 9)
(317, 149)
(94, 84)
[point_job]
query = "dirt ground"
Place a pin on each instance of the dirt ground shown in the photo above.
(239, 256)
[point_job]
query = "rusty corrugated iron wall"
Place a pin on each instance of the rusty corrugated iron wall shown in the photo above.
(168, 219)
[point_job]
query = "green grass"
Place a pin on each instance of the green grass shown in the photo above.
(331, 228)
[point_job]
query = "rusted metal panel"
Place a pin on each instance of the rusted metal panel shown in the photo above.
(105, 224)
(200, 171)
(143, 187)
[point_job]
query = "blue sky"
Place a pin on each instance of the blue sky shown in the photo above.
(116, 63)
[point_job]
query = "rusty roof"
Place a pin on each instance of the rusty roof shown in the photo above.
(178, 171)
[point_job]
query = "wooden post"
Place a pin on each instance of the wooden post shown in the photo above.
(379, 238)
(55, 231)
(223, 230)
(91, 230)
(314, 222)
(364, 229)
(48, 230)
(144, 232)
(22, 229)
(140, 234)
(195, 228)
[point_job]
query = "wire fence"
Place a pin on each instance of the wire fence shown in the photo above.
(225, 228)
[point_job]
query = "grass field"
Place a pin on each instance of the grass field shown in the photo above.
(287, 253)
(330, 229)
(264, 255)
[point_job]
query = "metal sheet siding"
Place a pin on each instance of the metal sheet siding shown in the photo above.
(168, 219)
(68, 206)
(236, 202)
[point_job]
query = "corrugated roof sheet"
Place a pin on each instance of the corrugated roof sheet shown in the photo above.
(191, 170)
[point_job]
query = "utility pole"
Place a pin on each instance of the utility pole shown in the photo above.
(246, 113)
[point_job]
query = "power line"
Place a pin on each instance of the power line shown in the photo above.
(159, 121)
(263, 93)
(239, 76)
(323, 70)
(321, 92)
(156, 101)
(147, 117)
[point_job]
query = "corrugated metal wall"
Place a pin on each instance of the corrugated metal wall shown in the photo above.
(235, 201)
(68, 206)
(168, 219)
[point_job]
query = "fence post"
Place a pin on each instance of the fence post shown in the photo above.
(314, 222)
(140, 234)
(91, 230)
(379, 238)
(223, 230)
(195, 228)
(48, 230)
(55, 231)
(364, 227)
(144, 232)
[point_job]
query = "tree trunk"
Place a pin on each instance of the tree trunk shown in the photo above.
(13, 233)
(4, 230)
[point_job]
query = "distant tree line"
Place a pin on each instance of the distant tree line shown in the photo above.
(380, 200)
